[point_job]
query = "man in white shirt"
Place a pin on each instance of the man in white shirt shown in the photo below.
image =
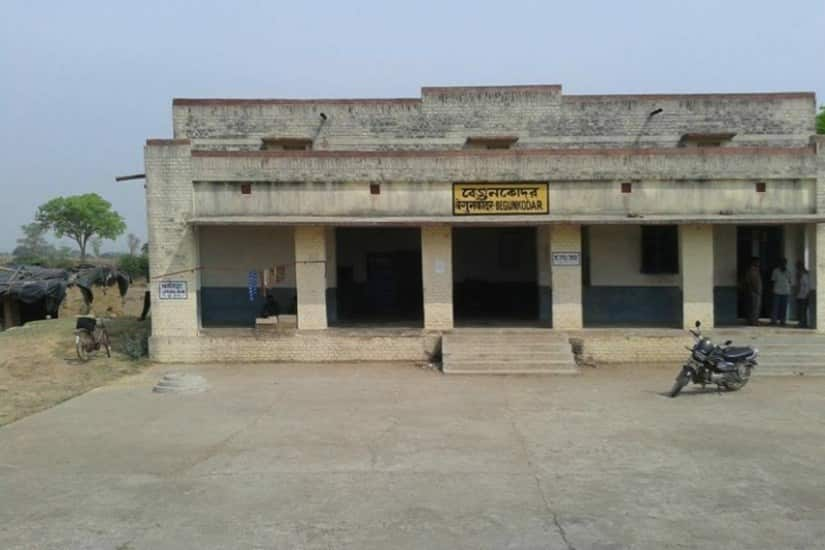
(803, 291)
(781, 279)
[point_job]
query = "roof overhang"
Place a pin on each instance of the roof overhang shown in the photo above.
(515, 220)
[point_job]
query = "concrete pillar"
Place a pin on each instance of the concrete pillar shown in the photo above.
(544, 275)
(173, 243)
(310, 277)
(696, 268)
(817, 269)
(331, 276)
(566, 279)
(437, 276)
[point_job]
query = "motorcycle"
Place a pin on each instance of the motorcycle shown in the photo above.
(726, 366)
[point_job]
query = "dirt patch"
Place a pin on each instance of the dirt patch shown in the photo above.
(39, 367)
(107, 301)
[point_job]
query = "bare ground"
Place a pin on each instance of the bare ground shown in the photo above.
(367, 456)
(39, 366)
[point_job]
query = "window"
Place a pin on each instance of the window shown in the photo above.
(490, 142)
(696, 139)
(660, 249)
(285, 144)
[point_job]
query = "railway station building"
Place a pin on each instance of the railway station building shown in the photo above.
(383, 224)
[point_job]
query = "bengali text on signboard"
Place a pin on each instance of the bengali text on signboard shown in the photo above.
(173, 290)
(490, 199)
(566, 258)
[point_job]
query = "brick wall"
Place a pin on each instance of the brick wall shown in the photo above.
(173, 252)
(539, 115)
(614, 348)
(567, 280)
(696, 269)
(437, 275)
(310, 276)
(571, 166)
(313, 346)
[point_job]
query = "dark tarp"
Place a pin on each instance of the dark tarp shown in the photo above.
(101, 276)
(31, 284)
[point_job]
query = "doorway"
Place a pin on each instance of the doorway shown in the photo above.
(379, 276)
(766, 243)
(495, 276)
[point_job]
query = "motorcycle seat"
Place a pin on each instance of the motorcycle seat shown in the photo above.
(735, 353)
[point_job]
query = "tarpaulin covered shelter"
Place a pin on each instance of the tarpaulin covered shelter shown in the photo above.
(29, 292)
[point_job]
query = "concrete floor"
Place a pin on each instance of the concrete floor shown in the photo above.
(378, 456)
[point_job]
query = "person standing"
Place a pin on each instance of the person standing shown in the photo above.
(803, 291)
(753, 292)
(781, 279)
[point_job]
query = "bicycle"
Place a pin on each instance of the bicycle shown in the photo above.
(90, 336)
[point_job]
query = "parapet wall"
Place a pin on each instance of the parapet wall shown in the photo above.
(540, 116)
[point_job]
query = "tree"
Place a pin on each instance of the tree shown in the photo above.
(33, 244)
(134, 243)
(96, 243)
(820, 121)
(81, 217)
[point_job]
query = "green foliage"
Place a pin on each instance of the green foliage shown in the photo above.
(33, 242)
(134, 344)
(136, 266)
(35, 250)
(81, 217)
(820, 121)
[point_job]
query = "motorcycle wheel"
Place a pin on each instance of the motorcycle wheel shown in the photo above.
(681, 381)
(739, 380)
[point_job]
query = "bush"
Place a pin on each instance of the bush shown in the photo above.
(136, 266)
(134, 344)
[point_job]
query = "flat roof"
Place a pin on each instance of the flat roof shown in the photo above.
(435, 153)
(550, 89)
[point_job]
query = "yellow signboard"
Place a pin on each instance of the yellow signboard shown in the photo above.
(495, 199)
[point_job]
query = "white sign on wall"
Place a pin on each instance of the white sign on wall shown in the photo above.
(566, 258)
(173, 290)
(440, 266)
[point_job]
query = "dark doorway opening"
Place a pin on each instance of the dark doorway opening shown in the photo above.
(379, 276)
(495, 276)
(766, 243)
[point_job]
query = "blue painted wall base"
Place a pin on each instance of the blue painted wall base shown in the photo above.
(644, 306)
(230, 307)
(725, 305)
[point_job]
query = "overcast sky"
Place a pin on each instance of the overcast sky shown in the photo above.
(83, 84)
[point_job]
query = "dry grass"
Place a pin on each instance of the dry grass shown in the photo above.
(107, 302)
(39, 367)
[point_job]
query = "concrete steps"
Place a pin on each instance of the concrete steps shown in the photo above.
(783, 353)
(511, 351)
